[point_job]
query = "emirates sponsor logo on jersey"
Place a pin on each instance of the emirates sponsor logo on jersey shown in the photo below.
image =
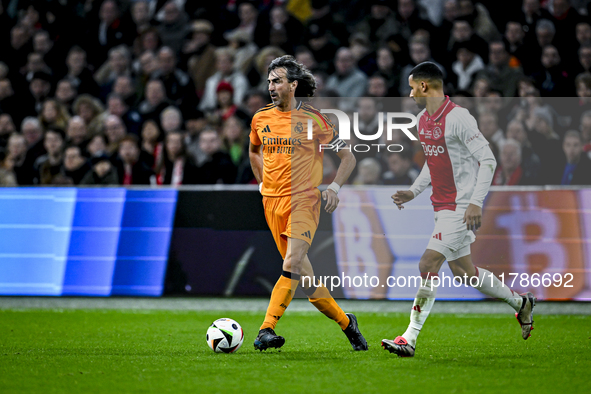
(433, 150)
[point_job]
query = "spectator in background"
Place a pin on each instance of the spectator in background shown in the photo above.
(377, 86)
(125, 87)
(248, 14)
(463, 32)
(103, 172)
(48, 166)
(78, 72)
(532, 12)
(306, 57)
(33, 133)
(530, 162)
(115, 132)
(155, 102)
(97, 146)
(515, 36)
(401, 169)
(149, 40)
(118, 64)
(480, 18)
(132, 119)
(15, 56)
(369, 172)
(545, 33)
(152, 146)
(53, 115)
(6, 129)
(552, 77)
(585, 129)
(225, 104)
(280, 29)
(255, 100)
(488, 123)
(199, 54)
(130, 170)
(35, 63)
(584, 60)
(39, 87)
(109, 32)
(565, 18)
(177, 168)
(322, 15)
(13, 162)
(171, 119)
(380, 23)
(217, 166)
(90, 110)
(321, 45)
(76, 132)
(364, 56)
(179, 87)
(468, 63)
(348, 80)
(226, 73)
(257, 75)
(502, 77)
(577, 170)
(509, 171)
(140, 14)
(7, 176)
(65, 94)
(234, 139)
(546, 144)
(75, 165)
(388, 67)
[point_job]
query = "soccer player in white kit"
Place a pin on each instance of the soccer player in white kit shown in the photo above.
(459, 166)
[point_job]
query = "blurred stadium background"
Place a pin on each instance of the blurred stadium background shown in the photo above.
(150, 102)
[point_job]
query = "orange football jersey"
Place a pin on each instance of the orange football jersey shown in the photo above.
(292, 163)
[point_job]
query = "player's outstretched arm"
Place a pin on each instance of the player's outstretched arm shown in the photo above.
(345, 169)
(402, 197)
(256, 162)
(420, 184)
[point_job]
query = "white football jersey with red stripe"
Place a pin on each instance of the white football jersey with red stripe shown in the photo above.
(449, 138)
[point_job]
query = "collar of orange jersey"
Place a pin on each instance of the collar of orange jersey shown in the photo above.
(440, 110)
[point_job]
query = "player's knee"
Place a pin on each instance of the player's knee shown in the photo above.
(292, 264)
(428, 265)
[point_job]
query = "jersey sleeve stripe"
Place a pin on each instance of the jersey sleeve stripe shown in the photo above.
(313, 110)
(266, 108)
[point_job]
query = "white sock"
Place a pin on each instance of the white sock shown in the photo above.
(421, 308)
(490, 285)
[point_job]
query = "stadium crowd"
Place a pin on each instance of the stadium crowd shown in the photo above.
(162, 92)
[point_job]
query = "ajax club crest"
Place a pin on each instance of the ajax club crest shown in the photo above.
(437, 133)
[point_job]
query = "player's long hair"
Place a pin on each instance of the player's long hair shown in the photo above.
(296, 72)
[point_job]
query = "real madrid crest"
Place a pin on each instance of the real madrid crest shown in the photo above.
(299, 127)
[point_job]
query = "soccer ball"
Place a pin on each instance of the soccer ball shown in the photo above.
(225, 336)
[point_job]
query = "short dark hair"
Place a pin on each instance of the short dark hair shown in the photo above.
(131, 138)
(296, 72)
(428, 71)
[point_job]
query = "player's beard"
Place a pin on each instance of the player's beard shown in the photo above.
(421, 102)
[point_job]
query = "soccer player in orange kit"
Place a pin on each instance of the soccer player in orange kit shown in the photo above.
(288, 167)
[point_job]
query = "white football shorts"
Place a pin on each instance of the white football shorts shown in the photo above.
(450, 236)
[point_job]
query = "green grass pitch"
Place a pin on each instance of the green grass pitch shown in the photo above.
(124, 351)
